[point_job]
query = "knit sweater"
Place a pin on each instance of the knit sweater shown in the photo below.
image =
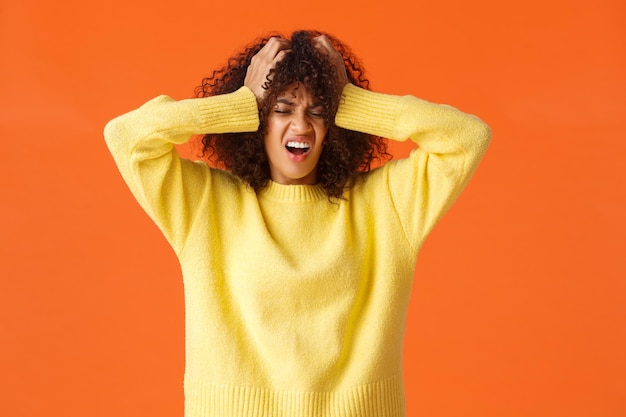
(295, 305)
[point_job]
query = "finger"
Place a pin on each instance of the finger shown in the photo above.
(273, 47)
(280, 56)
(322, 42)
(261, 65)
(325, 45)
(268, 51)
(266, 58)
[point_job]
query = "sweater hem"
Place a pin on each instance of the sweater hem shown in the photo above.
(379, 399)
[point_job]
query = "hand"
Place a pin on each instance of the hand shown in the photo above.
(323, 44)
(261, 64)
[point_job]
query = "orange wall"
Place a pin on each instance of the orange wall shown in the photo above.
(518, 303)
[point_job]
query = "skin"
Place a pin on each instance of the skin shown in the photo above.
(296, 118)
(295, 137)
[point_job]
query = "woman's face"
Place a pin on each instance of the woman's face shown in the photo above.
(295, 136)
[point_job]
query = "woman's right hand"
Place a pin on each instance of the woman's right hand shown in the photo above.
(261, 64)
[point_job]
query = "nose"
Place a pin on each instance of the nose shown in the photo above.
(300, 123)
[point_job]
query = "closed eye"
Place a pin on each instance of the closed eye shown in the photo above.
(317, 111)
(283, 109)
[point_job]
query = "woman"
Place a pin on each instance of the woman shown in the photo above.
(298, 259)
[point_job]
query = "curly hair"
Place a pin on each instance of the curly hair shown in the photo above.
(346, 153)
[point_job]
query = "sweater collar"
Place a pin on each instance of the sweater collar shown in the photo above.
(295, 193)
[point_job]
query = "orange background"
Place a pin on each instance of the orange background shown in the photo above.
(518, 304)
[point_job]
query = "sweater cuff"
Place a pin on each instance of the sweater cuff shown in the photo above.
(368, 112)
(229, 113)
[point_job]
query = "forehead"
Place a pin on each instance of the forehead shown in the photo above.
(298, 92)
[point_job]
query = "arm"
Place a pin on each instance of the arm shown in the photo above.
(451, 144)
(142, 143)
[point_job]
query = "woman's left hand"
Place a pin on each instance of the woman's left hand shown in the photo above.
(324, 44)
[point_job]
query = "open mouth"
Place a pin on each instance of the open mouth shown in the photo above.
(298, 148)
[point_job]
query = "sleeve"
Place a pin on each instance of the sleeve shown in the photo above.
(142, 141)
(450, 143)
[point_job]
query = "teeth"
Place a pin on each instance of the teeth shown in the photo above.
(301, 145)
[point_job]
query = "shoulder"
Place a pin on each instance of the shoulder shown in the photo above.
(380, 176)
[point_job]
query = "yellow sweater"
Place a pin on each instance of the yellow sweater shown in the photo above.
(296, 306)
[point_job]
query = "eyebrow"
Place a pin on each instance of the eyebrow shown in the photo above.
(291, 103)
